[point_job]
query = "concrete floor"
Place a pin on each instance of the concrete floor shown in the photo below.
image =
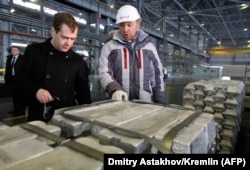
(174, 91)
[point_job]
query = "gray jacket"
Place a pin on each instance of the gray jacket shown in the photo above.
(134, 67)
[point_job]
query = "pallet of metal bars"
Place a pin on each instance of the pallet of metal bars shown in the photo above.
(223, 99)
(39, 145)
(114, 126)
(139, 127)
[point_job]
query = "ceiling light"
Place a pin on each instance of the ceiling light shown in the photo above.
(46, 9)
(49, 11)
(33, 30)
(27, 4)
(243, 6)
(81, 20)
(19, 44)
(12, 10)
(94, 25)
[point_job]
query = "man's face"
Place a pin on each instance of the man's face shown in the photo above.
(14, 51)
(64, 39)
(128, 29)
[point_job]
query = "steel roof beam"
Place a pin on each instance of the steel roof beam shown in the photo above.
(224, 24)
(197, 22)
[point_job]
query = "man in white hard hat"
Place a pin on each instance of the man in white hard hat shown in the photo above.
(129, 65)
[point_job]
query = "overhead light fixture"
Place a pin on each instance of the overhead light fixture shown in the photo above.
(27, 4)
(94, 25)
(33, 30)
(49, 11)
(19, 44)
(245, 29)
(83, 21)
(46, 9)
(12, 10)
(112, 4)
(243, 6)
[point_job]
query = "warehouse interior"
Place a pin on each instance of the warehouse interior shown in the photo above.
(195, 40)
(186, 33)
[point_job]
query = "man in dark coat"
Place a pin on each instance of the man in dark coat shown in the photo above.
(11, 70)
(52, 73)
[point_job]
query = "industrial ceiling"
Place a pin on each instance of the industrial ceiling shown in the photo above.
(214, 23)
(223, 23)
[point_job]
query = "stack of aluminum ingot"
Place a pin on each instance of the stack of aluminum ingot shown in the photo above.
(224, 99)
(24, 149)
(127, 124)
(79, 136)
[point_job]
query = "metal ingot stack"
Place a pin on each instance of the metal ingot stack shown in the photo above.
(80, 136)
(223, 99)
(22, 148)
(133, 125)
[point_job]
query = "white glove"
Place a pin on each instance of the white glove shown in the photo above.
(120, 95)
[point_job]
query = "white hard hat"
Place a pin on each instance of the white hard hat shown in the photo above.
(85, 53)
(127, 13)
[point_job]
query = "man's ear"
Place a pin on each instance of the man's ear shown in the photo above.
(52, 31)
(139, 26)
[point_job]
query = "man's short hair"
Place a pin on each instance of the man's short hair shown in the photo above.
(63, 17)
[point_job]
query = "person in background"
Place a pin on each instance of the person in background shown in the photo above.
(52, 74)
(85, 56)
(129, 65)
(11, 70)
(165, 74)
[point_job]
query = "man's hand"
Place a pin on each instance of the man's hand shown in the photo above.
(120, 95)
(44, 96)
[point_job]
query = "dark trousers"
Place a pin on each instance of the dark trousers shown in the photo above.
(18, 99)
